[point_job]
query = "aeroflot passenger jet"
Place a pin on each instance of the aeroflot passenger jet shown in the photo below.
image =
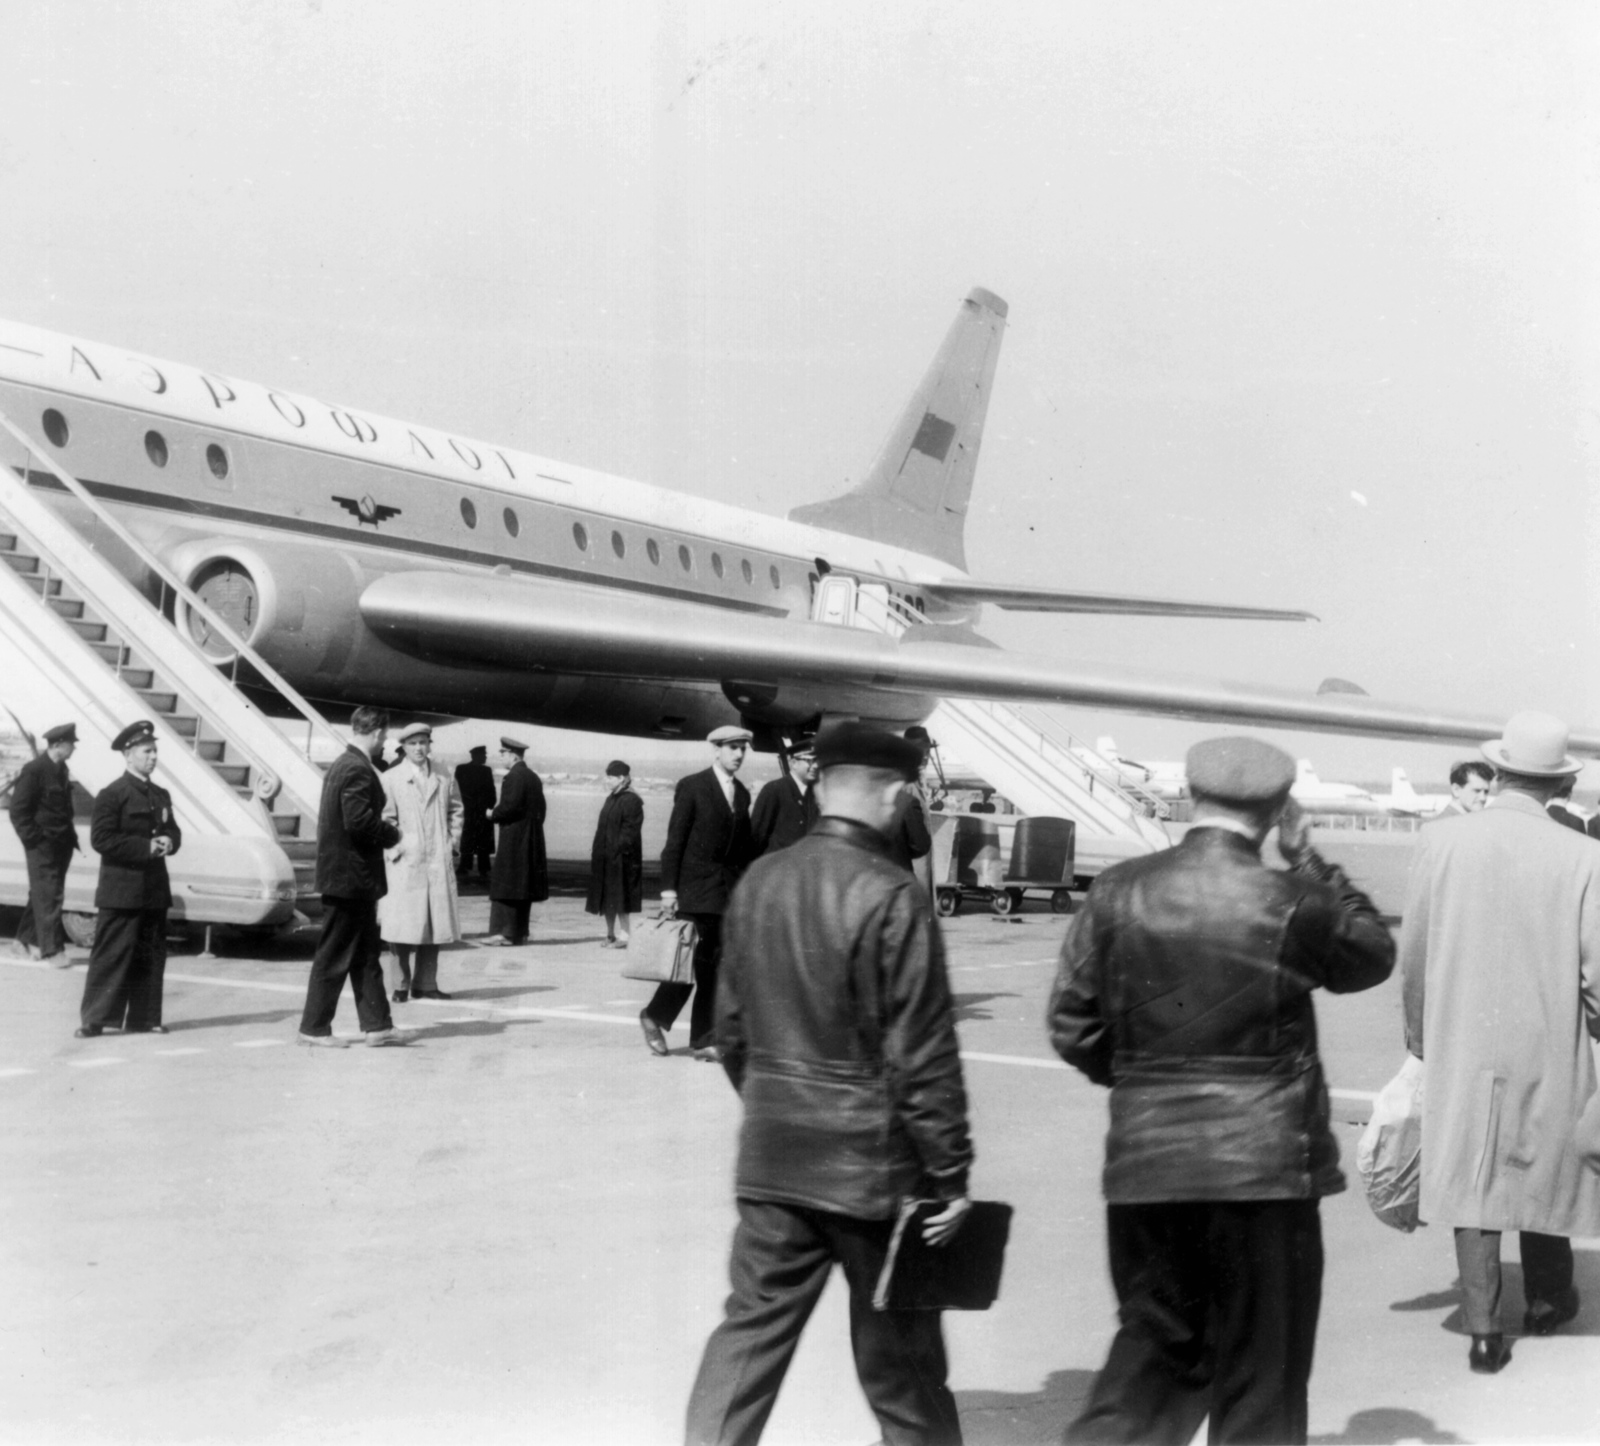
(375, 561)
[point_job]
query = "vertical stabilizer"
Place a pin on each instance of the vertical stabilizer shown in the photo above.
(916, 494)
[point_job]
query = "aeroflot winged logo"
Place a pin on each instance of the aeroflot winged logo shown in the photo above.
(366, 510)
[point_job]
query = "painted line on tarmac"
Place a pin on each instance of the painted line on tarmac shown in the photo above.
(190, 1049)
(257, 1043)
(98, 1063)
(12, 1073)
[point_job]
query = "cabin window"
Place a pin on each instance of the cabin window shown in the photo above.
(777, 580)
(618, 546)
(685, 558)
(653, 552)
(217, 461)
(512, 525)
(747, 570)
(469, 513)
(55, 427)
(155, 448)
(716, 563)
(580, 535)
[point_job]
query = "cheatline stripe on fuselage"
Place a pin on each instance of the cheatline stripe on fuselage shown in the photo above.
(276, 522)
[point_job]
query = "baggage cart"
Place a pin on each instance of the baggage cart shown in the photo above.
(969, 861)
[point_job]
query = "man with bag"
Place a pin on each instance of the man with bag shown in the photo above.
(836, 1027)
(1185, 986)
(1500, 953)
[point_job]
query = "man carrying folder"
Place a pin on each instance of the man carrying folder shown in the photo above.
(835, 1023)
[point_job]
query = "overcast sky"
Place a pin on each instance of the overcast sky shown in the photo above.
(1302, 297)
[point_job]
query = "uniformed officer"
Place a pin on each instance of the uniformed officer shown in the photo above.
(41, 813)
(134, 832)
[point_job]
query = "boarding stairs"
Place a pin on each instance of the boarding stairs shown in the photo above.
(91, 612)
(1026, 753)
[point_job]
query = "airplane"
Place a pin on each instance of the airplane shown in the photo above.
(1403, 799)
(1165, 779)
(1316, 796)
(381, 562)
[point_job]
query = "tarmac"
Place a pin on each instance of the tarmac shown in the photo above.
(516, 1228)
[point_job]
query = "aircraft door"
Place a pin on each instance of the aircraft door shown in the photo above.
(836, 601)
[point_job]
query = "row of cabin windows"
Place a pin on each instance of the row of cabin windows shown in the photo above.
(155, 448)
(619, 545)
(155, 445)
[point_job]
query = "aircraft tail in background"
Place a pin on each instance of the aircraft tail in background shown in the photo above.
(916, 494)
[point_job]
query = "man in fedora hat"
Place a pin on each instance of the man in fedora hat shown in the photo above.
(41, 813)
(1500, 953)
(1185, 986)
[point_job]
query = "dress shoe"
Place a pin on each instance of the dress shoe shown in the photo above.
(1488, 1354)
(430, 994)
(708, 1054)
(88, 1031)
(145, 1029)
(58, 960)
(378, 1038)
(653, 1035)
(321, 1041)
(1545, 1316)
(401, 995)
(494, 941)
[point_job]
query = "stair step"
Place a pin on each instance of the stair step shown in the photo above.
(299, 850)
(287, 825)
(23, 562)
(161, 702)
(88, 631)
(184, 725)
(238, 774)
(211, 750)
(8, 542)
(137, 678)
(110, 653)
(66, 607)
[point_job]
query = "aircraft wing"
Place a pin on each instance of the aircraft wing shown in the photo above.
(1048, 600)
(529, 623)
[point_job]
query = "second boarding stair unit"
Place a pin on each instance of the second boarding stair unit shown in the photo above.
(167, 676)
(1023, 751)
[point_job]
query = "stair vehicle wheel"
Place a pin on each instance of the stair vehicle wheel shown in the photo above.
(1006, 901)
(1061, 902)
(947, 902)
(79, 928)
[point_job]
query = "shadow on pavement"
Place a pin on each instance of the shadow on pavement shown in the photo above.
(970, 1006)
(1009, 1418)
(1585, 1275)
(462, 1029)
(222, 1021)
(1386, 1426)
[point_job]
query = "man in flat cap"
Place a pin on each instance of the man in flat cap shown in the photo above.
(521, 876)
(41, 813)
(475, 783)
(134, 832)
(616, 858)
(352, 834)
(708, 847)
(786, 808)
(1500, 957)
(836, 1026)
(1185, 986)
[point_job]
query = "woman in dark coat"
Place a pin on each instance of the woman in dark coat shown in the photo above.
(520, 877)
(616, 863)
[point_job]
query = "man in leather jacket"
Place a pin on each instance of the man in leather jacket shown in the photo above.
(835, 1023)
(1185, 986)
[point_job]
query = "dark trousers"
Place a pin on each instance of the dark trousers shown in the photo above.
(474, 863)
(1218, 1303)
(782, 1257)
(47, 886)
(1546, 1273)
(668, 1000)
(509, 918)
(350, 945)
(127, 969)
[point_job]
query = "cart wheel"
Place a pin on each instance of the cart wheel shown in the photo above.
(79, 929)
(1007, 901)
(947, 902)
(1061, 902)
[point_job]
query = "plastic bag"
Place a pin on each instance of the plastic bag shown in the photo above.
(1390, 1153)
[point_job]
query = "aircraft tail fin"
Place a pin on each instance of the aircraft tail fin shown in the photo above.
(1400, 788)
(915, 496)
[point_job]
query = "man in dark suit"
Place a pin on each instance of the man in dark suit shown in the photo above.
(708, 846)
(1557, 806)
(134, 832)
(521, 876)
(475, 779)
(41, 813)
(351, 838)
(786, 808)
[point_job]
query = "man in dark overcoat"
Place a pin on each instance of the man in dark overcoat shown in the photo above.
(41, 813)
(134, 832)
(708, 847)
(521, 875)
(837, 1028)
(351, 837)
(786, 808)
(616, 859)
(475, 780)
(1185, 986)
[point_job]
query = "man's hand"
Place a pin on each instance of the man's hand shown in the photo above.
(938, 1229)
(1294, 832)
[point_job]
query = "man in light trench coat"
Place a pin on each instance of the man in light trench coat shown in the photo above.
(1500, 952)
(419, 912)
